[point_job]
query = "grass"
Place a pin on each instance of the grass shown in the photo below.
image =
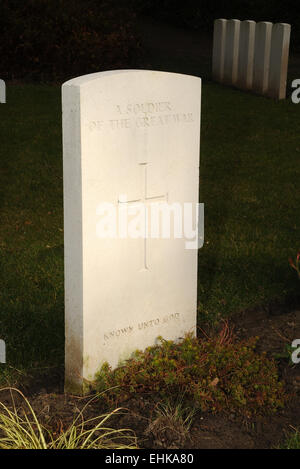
(31, 232)
(292, 441)
(249, 183)
(20, 428)
(171, 419)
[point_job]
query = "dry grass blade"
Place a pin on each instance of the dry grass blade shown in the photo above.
(19, 432)
(21, 429)
(172, 423)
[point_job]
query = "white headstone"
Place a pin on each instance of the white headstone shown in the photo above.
(218, 49)
(246, 54)
(231, 52)
(129, 135)
(2, 92)
(2, 351)
(262, 51)
(279, 58)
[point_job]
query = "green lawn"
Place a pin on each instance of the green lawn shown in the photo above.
(249, 182)
(31, 232)
(250, 150)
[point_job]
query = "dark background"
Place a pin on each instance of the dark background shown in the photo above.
(42, 40)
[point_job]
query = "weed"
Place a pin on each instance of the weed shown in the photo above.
(292, 441)
(20, 429)
(213, 374)
(171, 424)
(286, 354)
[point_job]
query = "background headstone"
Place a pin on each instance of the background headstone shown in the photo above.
(2, 351)
(134, 133)
(218, 49)
(279, 57)
(246, 54)
(262, 51)
(231, 52)
(2, 92)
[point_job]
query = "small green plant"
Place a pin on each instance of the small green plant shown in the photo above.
(286, 354)
(213, 374)
(171, 423)
(21, 429)
(292, 441)
(296, 264)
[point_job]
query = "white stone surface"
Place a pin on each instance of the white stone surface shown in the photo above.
(133, 132)
(262, 51)
(231, 52)
(279, 57)
(219, 49)
(246, 54)
(2, 92)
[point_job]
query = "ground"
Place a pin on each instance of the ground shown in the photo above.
(57, 410)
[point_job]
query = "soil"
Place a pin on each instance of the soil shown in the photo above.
(231, 431)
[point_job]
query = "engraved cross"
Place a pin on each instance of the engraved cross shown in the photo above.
(145, 200)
